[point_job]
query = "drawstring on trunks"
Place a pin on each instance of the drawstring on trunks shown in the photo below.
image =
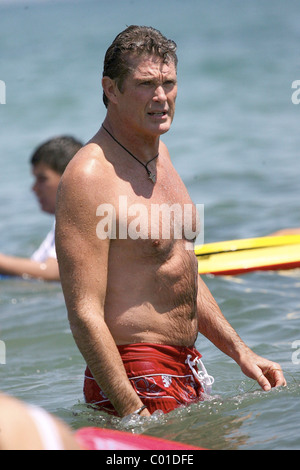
(202, 376)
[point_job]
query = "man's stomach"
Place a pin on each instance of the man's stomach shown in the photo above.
(156, 304)
(170, 329)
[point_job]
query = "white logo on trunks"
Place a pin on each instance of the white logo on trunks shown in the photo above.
(167, 380)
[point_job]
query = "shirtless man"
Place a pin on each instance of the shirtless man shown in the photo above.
(136, 305)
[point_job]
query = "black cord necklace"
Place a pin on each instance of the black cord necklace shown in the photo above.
(151, 175)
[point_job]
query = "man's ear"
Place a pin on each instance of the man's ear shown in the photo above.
(110, 89)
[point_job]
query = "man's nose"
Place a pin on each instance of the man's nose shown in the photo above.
(160, 94)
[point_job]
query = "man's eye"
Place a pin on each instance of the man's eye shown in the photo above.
(169, 83)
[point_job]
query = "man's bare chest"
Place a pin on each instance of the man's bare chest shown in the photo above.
(168, 215)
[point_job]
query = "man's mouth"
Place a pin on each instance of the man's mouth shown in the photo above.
(158, 113)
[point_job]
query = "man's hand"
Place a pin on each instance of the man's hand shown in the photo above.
(268, 374)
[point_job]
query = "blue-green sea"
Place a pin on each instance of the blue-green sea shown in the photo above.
(235, 141)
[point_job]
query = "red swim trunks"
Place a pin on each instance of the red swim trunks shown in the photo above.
(164, 377)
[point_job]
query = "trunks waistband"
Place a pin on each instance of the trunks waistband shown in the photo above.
(174, 360)
(131, 351)
(146, 358)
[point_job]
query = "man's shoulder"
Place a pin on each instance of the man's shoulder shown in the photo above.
(88, 159)
(87, 177)
(86, 167)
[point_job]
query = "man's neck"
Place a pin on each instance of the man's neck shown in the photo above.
(143, 145)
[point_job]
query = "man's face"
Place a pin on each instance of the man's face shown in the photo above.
(147, 99)
(45, 186)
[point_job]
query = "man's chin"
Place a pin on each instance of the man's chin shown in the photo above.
(163, 128)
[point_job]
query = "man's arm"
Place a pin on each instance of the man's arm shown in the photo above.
(214, 326)
(14, 266)
(83, 262)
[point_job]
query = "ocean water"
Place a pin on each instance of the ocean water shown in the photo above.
(235, 141)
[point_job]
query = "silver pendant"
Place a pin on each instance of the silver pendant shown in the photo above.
(152, 177)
